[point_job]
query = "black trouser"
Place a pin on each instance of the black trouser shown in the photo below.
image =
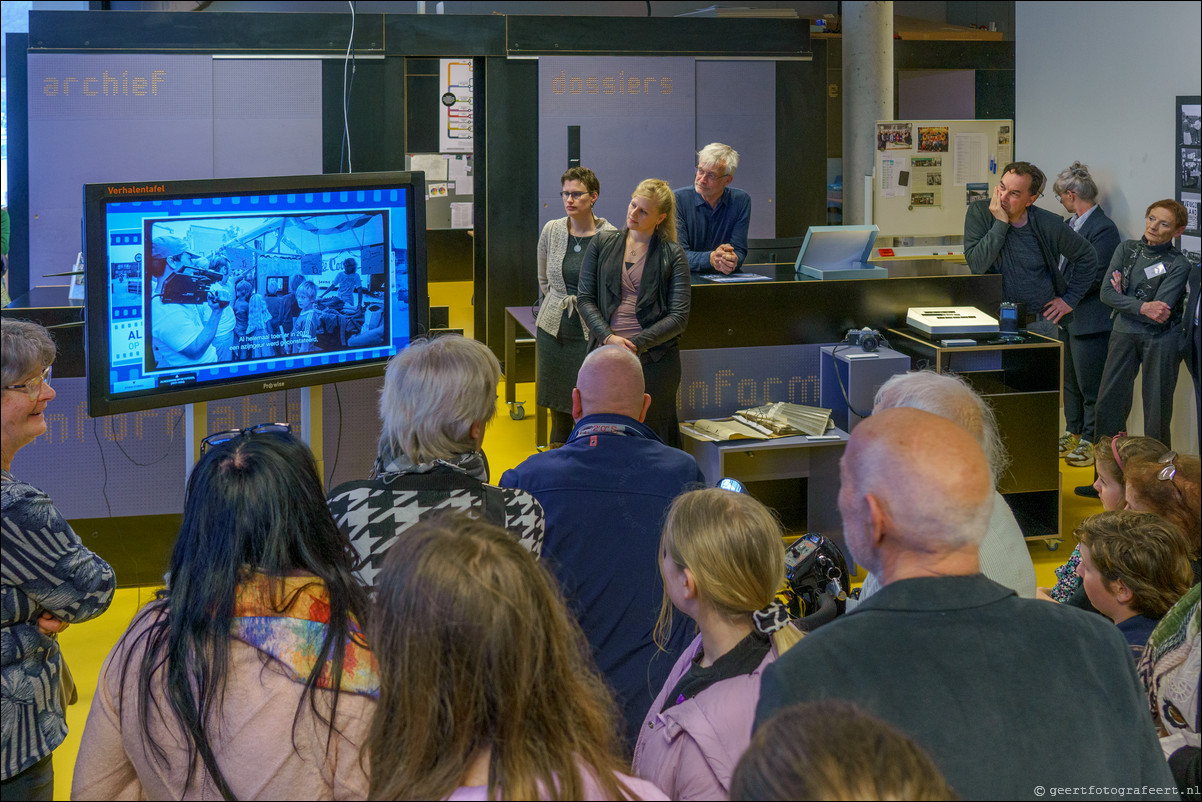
(1084, 359)
(1158, 355)
(663, 383)
(561, 426)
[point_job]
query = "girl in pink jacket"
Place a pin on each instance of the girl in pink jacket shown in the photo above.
(722, 560)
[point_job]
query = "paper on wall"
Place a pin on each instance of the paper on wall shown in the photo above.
(888, 169)
(432, 164)
(461, 215)
(970, 159)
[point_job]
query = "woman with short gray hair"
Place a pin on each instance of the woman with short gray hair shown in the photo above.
(439, 396)
(1087, 332)
(50, 579)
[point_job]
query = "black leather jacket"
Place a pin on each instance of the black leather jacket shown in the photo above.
(662, 308)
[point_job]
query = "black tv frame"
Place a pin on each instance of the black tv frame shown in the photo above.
(95, 247)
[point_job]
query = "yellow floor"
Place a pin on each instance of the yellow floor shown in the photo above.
(507, 443)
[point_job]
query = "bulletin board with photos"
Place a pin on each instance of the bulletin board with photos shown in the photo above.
(1188, 129)
(928, 171)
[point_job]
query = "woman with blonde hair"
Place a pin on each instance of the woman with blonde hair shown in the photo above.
(488, 689)
(723, 561)
(634, 292)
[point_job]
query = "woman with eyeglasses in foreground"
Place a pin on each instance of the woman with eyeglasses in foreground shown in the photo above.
(562, 338)
(247, 677)
(487, 685)
(1169, 486)
(49, 578)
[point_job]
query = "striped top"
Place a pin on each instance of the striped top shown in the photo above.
(45, 568)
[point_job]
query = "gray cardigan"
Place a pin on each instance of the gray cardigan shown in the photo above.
(552, 245)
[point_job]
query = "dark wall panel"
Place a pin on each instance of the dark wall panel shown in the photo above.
(510, 198)
(801, 121)
(376, 115)
(421, 98)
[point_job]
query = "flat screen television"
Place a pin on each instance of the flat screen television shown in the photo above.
(199, 290)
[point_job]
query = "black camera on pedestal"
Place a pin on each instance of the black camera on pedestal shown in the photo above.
(866, 338)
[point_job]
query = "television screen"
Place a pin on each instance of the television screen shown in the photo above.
(200, 290)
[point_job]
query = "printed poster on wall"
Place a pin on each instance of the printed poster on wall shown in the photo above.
(455, 105)
(926, 181)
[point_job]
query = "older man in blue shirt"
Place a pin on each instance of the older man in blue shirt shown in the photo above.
(712, 218)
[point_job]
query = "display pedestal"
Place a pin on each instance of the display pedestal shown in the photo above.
(1021, 381)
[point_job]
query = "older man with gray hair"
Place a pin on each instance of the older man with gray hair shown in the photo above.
(711, 218)
(1003, 555)
(954, 660)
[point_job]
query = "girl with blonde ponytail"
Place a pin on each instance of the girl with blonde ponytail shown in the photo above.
(723, 561)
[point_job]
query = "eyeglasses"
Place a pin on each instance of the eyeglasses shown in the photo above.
(708, 176)
(217, 438)
(33, 387)
(1170, 469)
(573, 195)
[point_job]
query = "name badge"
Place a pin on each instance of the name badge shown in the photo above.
(1155, 270)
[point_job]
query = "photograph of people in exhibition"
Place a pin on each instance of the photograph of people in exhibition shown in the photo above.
(234, 288)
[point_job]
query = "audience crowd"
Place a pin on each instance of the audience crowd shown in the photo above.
(600, 624)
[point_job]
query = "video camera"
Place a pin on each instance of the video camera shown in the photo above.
(194, 285)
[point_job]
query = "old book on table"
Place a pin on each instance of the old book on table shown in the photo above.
(723, 429)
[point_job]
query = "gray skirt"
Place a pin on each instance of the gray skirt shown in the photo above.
(559, 360)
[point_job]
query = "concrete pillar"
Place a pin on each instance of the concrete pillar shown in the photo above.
(867, 94)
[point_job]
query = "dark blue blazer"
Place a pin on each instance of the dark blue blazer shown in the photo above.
(1091, 316)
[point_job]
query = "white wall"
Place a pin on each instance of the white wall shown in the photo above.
(1096, 82)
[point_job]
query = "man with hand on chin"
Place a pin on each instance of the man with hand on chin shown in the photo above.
(711, 218)
(1008, 234)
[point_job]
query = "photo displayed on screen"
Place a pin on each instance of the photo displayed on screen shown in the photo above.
(203, 291)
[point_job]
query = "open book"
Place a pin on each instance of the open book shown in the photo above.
(778, 419)
(724, 429)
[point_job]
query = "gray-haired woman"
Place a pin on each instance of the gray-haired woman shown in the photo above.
(1088, 332)
(439, 396)
(49, 578)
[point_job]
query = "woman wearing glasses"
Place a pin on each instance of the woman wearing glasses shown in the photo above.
(634, 292)
(1170, 487)
(247, 677)
(49, 578)
(562, 337)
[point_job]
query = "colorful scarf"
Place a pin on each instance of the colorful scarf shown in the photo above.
(293, 636)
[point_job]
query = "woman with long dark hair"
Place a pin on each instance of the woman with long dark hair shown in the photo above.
(488, 689)
(247, 676)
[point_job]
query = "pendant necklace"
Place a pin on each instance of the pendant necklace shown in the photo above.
(575, 247)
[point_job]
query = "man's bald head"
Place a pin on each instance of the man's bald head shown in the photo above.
(610, 381)
(928, 481)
